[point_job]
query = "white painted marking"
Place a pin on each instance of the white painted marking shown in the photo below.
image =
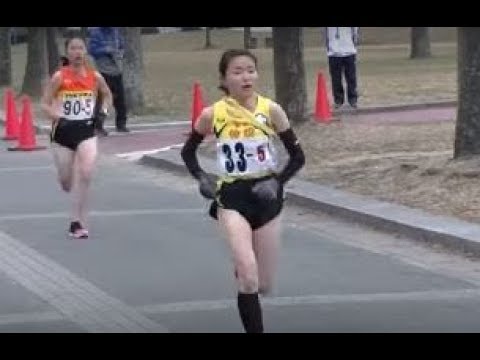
(25, 168)
(137, 155)
(100, 213)
(223, 304)
(316, 300)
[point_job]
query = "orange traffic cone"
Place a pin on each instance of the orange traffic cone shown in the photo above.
(197, 103)
(26, 139)
(11, 116)
(322, 106)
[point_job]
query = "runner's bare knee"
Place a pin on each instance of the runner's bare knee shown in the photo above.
(247, 275)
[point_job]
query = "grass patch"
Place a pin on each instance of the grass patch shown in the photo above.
(386, 76)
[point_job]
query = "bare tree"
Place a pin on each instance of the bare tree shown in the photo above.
(84, 32)
(247, 37)
(5, 57)
(133, 73)
(289, 71)
(53, 37)
(208, 38)
(467, 132)
(420, 43)
(36, 71)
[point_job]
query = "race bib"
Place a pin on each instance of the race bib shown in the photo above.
(244, 157)
(78, 105)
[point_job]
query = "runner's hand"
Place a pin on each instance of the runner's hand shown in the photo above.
(267, 189)
(208, 186)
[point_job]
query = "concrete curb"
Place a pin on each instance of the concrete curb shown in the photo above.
(394, 108)
(417, 224)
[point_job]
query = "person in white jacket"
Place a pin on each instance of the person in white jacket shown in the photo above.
(341, 45)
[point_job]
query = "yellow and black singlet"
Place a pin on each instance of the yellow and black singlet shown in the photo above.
(244, 139)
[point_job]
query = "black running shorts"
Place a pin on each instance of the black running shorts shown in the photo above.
(70, 133)
(238, 196)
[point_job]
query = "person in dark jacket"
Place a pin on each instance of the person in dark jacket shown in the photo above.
(106, 46)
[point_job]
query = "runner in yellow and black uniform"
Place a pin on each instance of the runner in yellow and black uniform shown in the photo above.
(245, 157)
(248, 189)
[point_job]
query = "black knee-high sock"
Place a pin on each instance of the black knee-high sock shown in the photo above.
(250, 312)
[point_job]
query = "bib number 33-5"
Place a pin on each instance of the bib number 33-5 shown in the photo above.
(243, 157)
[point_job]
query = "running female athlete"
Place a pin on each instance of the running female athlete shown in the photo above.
(69, 101)
(247, 194)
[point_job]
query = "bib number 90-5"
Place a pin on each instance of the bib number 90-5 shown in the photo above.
(75, 107)
(241, 163)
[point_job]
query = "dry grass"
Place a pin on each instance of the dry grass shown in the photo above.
(406, 164)
(386, 75)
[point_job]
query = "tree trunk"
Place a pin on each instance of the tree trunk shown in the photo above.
(5, 57)
(36, 72)
(289, 71)
(84, 32)
(247, 36)
(52, 48)
(467, 132)
(208, 39)
(133, 69)
(420, 43)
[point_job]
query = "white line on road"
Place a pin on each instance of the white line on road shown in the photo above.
(316, 300)
(136, 155)
(101, 213)
(156, 124)
(146, 131)
(152, 125)
(38, 317)
(224, 304)
(25, 168)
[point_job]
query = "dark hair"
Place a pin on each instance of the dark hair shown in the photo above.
(70, 39)
(227, 57)
(64, 61)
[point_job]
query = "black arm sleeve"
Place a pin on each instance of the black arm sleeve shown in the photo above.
(189, 154)
(297, 157)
